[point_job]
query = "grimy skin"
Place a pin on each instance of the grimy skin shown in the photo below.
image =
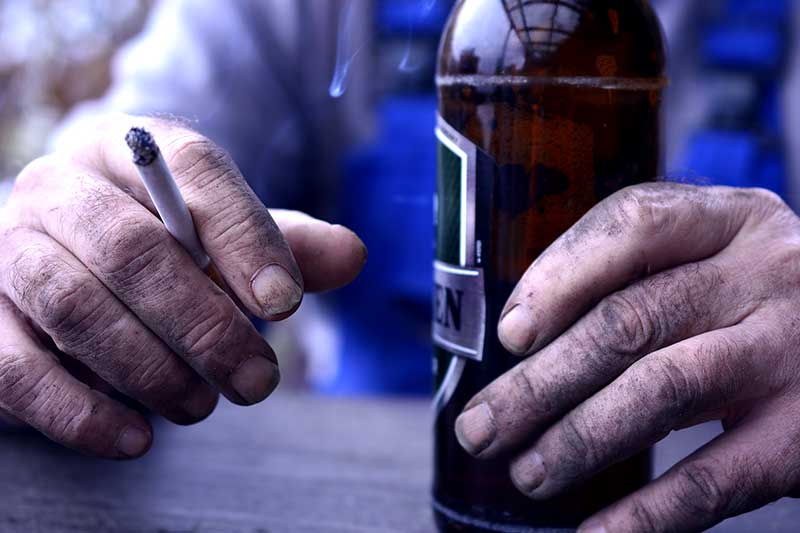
(665, 306)
(88, 273)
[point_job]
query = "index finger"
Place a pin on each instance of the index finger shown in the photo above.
(235, 228)
(637, 231)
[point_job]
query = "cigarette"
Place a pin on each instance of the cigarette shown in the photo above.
(163, 190)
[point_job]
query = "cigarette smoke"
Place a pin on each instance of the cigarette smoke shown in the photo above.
(346, 50)
(425, 8)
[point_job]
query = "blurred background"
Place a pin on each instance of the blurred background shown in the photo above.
(728, 113)
(54, 54)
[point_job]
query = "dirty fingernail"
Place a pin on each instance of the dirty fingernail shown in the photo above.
(200, 402)
(133, 442)
(276, 290)
(528, 472)
(516, 330)
(255, 379)
(476, 429)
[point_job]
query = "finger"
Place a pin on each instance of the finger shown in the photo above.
(639, 230)
(234, 227)
(34, 388)
(8, 422)
(329, 256)
(655, 312)
(739, 471)
(132, 254)
(88, 323)
(654, 396)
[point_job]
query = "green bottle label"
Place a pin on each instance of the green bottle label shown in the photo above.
(459, 300)
(459, 303)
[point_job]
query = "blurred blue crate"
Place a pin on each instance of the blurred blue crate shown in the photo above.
(772, 173)
(756, 47)
(734, 158)
(395, 179)
(725, 157)
(761, 10)
(385, 323)
(424, 16)
(770, 114)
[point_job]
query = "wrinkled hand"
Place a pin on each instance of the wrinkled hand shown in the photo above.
(665, 306)
(89, 273)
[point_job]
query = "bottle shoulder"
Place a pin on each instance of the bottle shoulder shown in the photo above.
(553, 38)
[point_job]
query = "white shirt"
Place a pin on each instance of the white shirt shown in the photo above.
(253, 75)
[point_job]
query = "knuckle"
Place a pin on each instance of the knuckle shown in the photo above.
(87, 203)
(671, 392)
(643, 517)
(128, 247)
(157, 380)
(697, 491)
(27, 395)
(208, 334)
(766, 206)
(767, 199)
(36, 172)
(529, 391)
(200, 160)
(761, 485)
(66, 304)
(728, 366)
(581, 447)
(19, 380)
(74, 422)
(63, 301)
(626, 327)
(699, 281)
(236, 226)
(646, 210)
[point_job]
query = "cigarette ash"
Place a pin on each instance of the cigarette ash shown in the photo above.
(144, 148)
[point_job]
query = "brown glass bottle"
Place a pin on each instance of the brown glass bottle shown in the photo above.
(546, 107)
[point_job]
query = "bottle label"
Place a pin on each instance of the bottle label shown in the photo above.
(459, 310)
(459, 303)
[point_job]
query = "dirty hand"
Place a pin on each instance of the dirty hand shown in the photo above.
(88, 273)
(665, 306)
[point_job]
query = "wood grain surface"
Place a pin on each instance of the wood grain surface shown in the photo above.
(295, 463)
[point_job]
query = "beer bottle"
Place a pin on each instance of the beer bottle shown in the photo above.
(545, 108)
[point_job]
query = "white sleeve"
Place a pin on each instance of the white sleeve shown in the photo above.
(250, 74)
(195, 59)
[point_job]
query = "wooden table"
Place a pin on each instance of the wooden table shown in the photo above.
(295, 464)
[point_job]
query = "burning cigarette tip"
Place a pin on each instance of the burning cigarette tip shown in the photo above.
(144, 148)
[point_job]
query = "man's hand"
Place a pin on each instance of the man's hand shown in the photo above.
(665, 306)
(88, 273)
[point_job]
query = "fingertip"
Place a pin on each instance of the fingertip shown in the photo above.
(331, 258)
(329, 255)
(528, 473)
(358, 248)
(134, 441)
(255, 380)
(476, 429)
(352, 254)
(199, 405)
(277, 292)
(516, 330)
